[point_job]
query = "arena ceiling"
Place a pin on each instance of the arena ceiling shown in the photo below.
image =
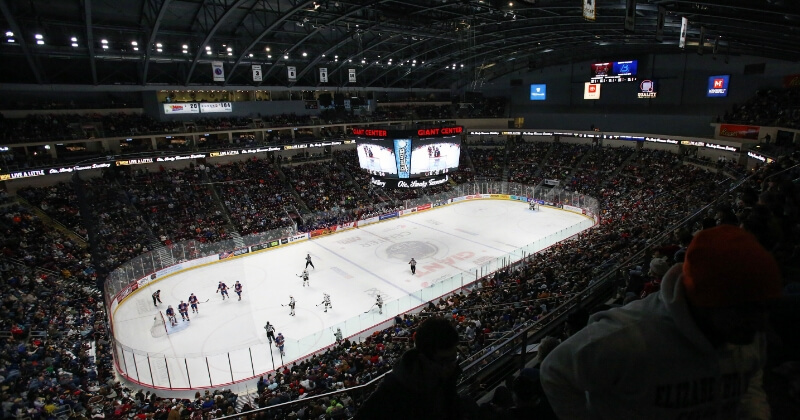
(442, 44)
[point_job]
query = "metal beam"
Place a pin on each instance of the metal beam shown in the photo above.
(264, 33)
(202, 46)
(87, 10)
(12, 24)
(152, 39)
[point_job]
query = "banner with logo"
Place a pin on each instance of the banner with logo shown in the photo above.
(323, 75)
(630, 15)
(256, 72)
(662, 14)
(291, 71)
(589, 12)
(351, 75)
(218, 71)
(591, 90)
(739, 131)
(684, 28)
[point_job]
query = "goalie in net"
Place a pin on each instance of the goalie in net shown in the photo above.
(532, 205)
(162, 325)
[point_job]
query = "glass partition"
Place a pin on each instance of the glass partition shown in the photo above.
(256, 358)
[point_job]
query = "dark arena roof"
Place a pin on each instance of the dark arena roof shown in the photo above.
(433, 44)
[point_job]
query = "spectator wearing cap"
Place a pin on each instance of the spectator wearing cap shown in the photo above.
(695, 349)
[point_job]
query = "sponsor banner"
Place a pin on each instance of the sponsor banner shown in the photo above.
(351, 75)
(553, 182)
(589, 11)
(759, 157)
(225, 254)
(402, 151)
(591, 90)
(647, 89)
(323, 75)
(187, 108)
(739, 131)
(258, 247)
(368, 221)
(388, 215)
(504, 196)
(437, 204)
(284, 241)
(494, 195)
(240, 251)
(457, 199)
(126, 291)
(320, 232)
(348, 225)
(179, 157)
(422, 207)
(129, 162)
(256, 72)
(211, 107)
(473, 197)
(291, 72)
(684, 28)
(485, 195)
(410, 183)
(23, 174)
(218, 70)
(77, 168)
(792, 80)
(300, 237)
(718, 86)
(573, 209)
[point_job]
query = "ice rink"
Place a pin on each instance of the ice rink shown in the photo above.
(226, 341)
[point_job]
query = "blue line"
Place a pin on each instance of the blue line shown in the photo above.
(370, 272)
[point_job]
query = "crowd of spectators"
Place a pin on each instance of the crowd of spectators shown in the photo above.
(254, 195)
(72, 367)
(778, 107)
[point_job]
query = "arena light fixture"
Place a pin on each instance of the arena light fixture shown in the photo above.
(9, 33)
(104, 41)
(74, 39)
(38, 36)
(134, 43)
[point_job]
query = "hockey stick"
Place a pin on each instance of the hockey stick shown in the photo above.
(370, 308)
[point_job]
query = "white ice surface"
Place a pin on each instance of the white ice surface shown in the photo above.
(226, 341)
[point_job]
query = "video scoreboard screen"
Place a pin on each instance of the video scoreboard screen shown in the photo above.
(408, 154)
(613, 72)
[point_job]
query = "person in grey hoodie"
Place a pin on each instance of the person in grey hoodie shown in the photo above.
(694, 350)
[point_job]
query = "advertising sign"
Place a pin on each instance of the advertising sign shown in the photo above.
(591, 90)
(538, 92)
(185, 108)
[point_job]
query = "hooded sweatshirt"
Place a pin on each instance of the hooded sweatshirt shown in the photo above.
(649, 360)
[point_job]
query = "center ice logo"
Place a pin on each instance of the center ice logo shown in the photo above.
(411, 249)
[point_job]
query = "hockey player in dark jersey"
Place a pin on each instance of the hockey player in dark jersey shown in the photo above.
(193, 303)
(279, 341)
(223, 290)
(183, 308)
(238, 289)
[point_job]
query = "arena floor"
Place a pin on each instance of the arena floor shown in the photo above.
(226, 342)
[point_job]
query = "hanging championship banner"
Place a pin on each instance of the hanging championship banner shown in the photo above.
(662, 14)
(218, 71)
(589, 12)
(351, 74)
(323, 75)
(684, 28)
(291, 71)
(256, 72)
(630, 15)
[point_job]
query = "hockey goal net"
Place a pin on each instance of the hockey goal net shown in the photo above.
(159, 328)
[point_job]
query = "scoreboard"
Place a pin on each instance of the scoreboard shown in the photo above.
(401, 154)
(617, 71)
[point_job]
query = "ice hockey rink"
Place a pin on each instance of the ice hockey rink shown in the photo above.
(226, 342)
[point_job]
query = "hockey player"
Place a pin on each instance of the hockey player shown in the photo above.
(292, 304)
(193, 303)
(279, 340)
(171, 316)
(379, 302)
(308, 262)
(238, 289)
(223, 290)
(338, 335)
(183, 308)
(413, 264)
(326, 301)
(305, 278)
(156, 298)
(270, 332)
